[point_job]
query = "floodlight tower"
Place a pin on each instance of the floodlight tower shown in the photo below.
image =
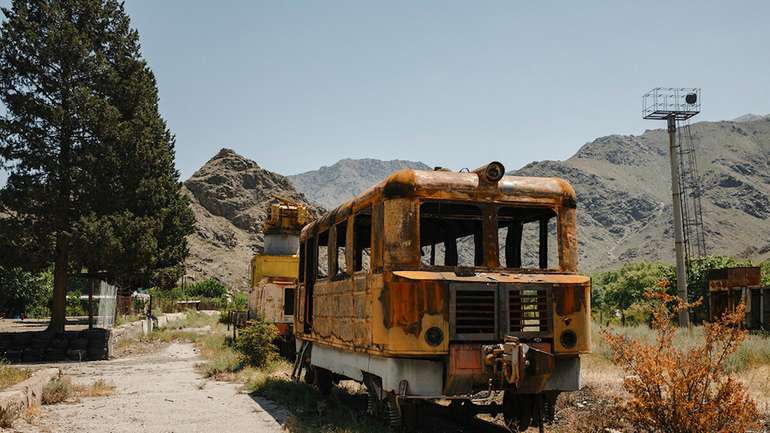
(672, 104)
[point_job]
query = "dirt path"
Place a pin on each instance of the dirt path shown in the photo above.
(156, 392)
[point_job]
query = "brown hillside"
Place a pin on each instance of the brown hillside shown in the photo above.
(624, 194)
(230, 195)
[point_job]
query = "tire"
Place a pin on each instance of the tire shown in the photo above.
(518, 410)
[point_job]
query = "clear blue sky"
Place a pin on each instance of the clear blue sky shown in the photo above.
(299, 84)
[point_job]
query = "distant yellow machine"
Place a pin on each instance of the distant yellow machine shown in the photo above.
(274, 271)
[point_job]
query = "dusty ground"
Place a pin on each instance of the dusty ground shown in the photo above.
(156, 392)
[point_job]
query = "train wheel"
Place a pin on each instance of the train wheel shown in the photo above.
(518, 409)
(322, 379)
(549, 406)
(393, 411)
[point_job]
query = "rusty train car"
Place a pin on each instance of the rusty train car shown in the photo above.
(447, 285)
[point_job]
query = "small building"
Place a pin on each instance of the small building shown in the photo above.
(729, 287)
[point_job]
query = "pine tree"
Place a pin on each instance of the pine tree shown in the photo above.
(92, 185)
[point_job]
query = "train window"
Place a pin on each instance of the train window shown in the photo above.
(288, 301)
(323, 254)
(451, 234)
(342, 230)
(527, 237)
(362, 239)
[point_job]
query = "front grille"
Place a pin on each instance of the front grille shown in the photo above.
(528, 311)
(474, 312)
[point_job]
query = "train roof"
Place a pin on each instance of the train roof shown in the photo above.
(453, 186)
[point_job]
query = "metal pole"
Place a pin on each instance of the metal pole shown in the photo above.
(91, 305)
(681, 265)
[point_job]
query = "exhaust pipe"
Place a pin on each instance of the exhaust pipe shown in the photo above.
(491, 173)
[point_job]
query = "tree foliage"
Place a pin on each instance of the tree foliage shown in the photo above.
(622, 290)
(25, 293)
(92, 184)
(619, 290)
(208, 288)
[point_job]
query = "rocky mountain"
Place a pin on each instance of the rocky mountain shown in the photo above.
(230, 195)
(622, 183)
(624, 192)
(333, 185)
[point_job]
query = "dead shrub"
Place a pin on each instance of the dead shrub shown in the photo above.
(684, 390)
(8, 415)
(100, 388)
(58, 390)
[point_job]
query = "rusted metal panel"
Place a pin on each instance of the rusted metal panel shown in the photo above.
(465, 372)
(572, 317)
(400, 234)
(499, 277)
(728, 278)
(410, 183)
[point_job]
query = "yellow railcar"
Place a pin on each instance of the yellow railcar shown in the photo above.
(436, 284)
(274, 270)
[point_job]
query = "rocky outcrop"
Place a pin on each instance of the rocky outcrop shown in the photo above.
(230, 196)
(624, 192)
(622, 183)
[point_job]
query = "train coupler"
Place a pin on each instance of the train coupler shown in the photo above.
(513, 362)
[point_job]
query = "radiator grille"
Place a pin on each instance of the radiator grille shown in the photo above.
(528, 310)
(474, 311)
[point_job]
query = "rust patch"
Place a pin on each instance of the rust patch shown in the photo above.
(400, 184)
(405, 302)
(569, 299)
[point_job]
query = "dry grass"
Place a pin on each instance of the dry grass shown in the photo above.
(63, 389)
(31, 413)
(10, 376)
(100, 388)
(8, 416)
(754, 352)
(58, 391)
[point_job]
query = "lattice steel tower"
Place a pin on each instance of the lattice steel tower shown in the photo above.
(677, 106)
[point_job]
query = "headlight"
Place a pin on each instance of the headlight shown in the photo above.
(434, 336)
(568, 339)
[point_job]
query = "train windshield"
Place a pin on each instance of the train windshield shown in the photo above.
(453, 235)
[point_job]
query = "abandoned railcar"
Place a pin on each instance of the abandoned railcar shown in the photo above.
(438, 284)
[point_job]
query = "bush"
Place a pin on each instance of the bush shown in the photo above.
(57, 391)
(255, 343)
(239, 302)
(684, 389)
(209, 288)
(25, 293)
(74, 306)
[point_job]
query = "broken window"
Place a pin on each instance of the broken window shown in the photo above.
(342, 231)
(362, 240)
(527, 237)
(301, 275)
(451, 234)
(323, 254)
(288, 301)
